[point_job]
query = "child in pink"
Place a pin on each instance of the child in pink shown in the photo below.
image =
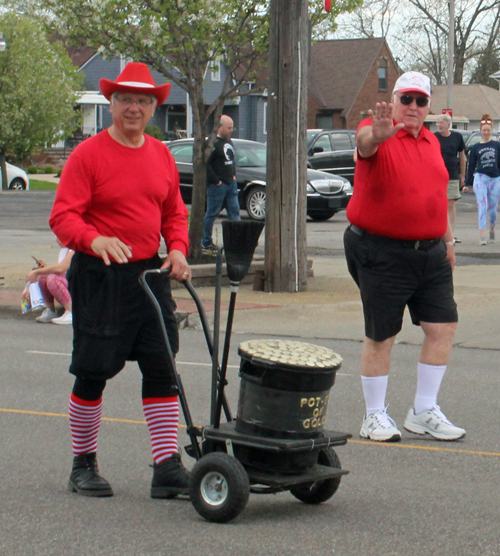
(54, 286)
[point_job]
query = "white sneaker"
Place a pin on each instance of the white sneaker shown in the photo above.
(380, 427)
(433, 422)
(67, 318)
(46, 316)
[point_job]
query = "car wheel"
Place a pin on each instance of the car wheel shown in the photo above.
(256, 203)
(17, 184)
(322, 214)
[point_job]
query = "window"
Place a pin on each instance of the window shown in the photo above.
(182, 153)
(215, 70)
(382, 74)
(324, 121)
(264, 128)
(323, 143)
(341, 141)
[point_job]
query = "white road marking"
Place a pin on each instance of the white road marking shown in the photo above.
(191, 363)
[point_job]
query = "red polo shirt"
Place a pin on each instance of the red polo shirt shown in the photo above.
(400, 191)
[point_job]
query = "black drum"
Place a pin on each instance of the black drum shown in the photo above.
(285, 387)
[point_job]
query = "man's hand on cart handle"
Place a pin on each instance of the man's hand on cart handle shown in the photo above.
(179, 268)
(111, 246)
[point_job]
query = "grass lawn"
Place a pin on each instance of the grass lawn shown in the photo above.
(39, 184)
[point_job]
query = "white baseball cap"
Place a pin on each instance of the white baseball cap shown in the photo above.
(413, 81)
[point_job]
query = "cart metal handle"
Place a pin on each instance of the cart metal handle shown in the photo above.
(191, 429)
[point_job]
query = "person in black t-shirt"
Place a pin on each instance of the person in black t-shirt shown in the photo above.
(453, 152)
(222, 188)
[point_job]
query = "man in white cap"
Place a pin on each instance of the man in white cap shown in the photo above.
(118, 195)
(400, 251)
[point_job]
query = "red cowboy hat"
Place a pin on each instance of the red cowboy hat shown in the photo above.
(135, 78)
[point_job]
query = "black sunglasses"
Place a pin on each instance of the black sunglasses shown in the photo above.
(408, 99)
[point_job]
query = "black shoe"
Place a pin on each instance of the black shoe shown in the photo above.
(209, 249)
(170, 478)
(85, 478)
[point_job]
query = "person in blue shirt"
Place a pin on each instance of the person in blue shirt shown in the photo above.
(484, 174)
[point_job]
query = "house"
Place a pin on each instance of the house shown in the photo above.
(174, 116)
(346, 78)
(337, 96)
(470, 102)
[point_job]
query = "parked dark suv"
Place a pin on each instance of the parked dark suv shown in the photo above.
(326, 194)
(331, 150)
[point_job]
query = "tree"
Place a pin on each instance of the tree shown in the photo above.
(180, 39)
(38, 85)
(417, 31)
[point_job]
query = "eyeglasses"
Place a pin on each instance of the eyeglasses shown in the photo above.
(408, 99)
(129, 101)
(486, 121)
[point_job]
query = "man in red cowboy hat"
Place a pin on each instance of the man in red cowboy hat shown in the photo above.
(119, 193)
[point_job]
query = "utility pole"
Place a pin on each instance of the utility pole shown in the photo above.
(286, 242)
(451, 52)
(3, 166)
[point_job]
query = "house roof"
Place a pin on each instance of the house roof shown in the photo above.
(470, 101)
(333, 81)
(78, 54)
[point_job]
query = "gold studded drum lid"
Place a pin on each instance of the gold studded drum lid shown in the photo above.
(288, 353)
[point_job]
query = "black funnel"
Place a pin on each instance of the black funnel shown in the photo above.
(240, 240)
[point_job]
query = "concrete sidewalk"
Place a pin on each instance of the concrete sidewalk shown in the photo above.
(330, 308)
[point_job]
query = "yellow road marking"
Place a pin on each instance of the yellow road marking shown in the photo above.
(46, 414)
(428, 448)
(362, 442)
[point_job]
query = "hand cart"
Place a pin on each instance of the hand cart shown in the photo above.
(277, 441)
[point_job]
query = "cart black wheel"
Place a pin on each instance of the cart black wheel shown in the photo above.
(219, 487)
(320, 491)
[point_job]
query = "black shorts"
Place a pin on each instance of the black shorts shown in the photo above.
(114, 321)
(391, 275)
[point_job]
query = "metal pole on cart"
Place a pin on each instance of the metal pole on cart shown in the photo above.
(240, 240)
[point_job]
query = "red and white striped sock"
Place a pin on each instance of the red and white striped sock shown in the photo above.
(84, 422)
(162, 417)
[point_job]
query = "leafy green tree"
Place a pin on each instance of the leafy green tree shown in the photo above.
(38, 85)
(181, 39)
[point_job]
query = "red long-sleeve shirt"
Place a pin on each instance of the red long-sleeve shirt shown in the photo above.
(130, 193)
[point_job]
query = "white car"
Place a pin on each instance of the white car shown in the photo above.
(17, 178)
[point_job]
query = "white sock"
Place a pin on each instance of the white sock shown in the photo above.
(374, 390)
(429, 379)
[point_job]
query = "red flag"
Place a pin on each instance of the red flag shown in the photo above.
(328, 5)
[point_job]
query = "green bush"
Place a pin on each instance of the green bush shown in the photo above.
(49, 170)
(154, 131)
(32, 170)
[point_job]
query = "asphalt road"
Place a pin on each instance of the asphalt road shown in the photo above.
(416, 497)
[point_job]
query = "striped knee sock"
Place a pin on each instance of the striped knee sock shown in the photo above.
(162, 417)
(84, 422)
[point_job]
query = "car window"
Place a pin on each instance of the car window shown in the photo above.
(182, 153)
(250, 155)
(311, 134)
(341, 141)
(323, 142)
